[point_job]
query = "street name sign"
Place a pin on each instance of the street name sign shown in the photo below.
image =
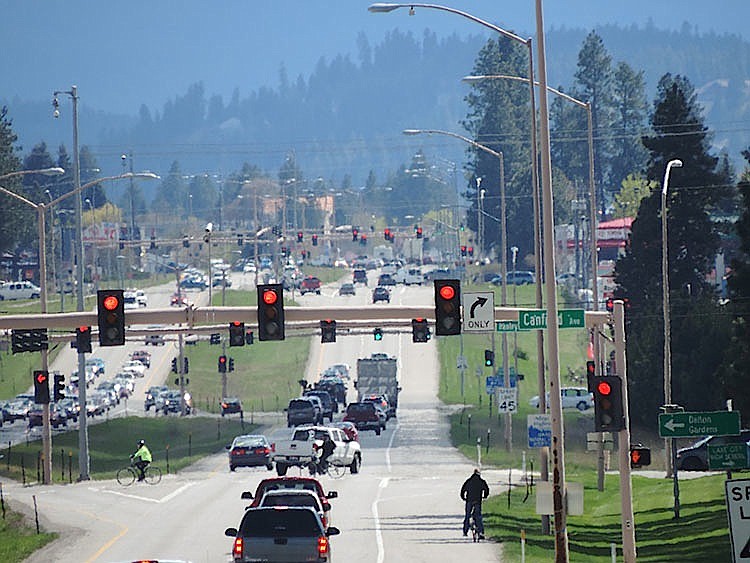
(738, 508)
(727, 456)
(479, 311)
(536, 319)
(506, 326)
(540, 430)
(507, 399)
(689, 424)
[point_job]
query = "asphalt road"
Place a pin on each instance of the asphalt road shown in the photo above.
(403, 505)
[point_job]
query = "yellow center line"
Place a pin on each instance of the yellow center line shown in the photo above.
(123, 530)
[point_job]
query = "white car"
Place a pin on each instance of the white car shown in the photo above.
(134, 366)
(140, 297)
(249, 268)
(19, 290)
(130, 299)
(572, 398)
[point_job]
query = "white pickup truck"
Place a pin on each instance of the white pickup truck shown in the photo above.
(300, 450)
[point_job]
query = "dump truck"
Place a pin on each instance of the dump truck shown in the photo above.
(377, 375)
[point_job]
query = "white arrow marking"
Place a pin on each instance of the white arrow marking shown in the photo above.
(671, 425)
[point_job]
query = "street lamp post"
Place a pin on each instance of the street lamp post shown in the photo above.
(508, 431)
(41, 210)
(675, 163)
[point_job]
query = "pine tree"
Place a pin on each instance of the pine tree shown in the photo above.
(630, 107)
(11, 210)
(698, 330)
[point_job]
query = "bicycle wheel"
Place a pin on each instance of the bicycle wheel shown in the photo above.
(153, 475)
(474, 533)
(336, 471)
(126, 476)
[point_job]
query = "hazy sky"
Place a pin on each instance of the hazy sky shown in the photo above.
(123, 54)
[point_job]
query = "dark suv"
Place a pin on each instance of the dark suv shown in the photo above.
(329, 405)
(231, 405)
(695, 457)
(360, 276)
(301, 411)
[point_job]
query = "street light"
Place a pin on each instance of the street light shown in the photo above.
(503, 246)
(592, 188)
(40, 209)
(668, 442)
(548, 225)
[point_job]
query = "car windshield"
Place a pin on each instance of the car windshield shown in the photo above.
(277, 522)
(291, 499)
(356, 408)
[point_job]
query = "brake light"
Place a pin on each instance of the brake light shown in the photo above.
(322, 545)
(237, 549)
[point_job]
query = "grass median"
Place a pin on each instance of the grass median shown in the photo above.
(19, 538)
(175, 442)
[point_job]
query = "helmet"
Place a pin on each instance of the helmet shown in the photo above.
(141, 442)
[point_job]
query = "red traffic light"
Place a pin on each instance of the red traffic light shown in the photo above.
(41, 377)
(635, 457)
(83, 329)
(236, 323)
(604, 388)
(270, 297)
(222, 359)
(110, 302)
(447, 292)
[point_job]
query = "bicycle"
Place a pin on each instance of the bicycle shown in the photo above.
(333, 471)
(128, 474)
(473, 529)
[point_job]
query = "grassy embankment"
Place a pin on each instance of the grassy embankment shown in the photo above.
(701, 533)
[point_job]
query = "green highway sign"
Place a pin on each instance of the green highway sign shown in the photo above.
(689, 424)
(536, 319)
(506, 326)
(727, 456)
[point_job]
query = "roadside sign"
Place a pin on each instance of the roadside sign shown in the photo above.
(507, 399)
(738, 509)
(689, 424)
(540, 430)
(536, 319)
(491, 382)
(506, 326)
(479, 311)
(727, 456)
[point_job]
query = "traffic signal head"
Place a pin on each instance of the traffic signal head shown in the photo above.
(174, 365)
(470, 250)
(363, 240)
(489, 358)
(639, 456)
(378, 334)
(387, 234)
(249, 337)
(355, 234)
(315, 240)
(327, 331)
(231, 364)
(447, 307)
(185, 365)
(41, 387)
(240, 242)
(59, 387)
(236, 333)
(300, 236)
(420, 330)
(83, 339)
(222, 364)
(185, 242)
(590, 375)
(608, 407)
(111, 317)
(418, 230)
(463, 250)
(270, 312)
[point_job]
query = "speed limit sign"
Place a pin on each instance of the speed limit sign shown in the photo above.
(507, 399)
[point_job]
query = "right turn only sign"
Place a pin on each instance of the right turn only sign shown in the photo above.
(738, 508)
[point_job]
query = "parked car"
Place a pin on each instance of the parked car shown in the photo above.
(521, 277)
(572, 398)
(250, 450)
(359, 276)
(347, 289)
(695, 457)
(19, 290)
(281, 534)
(301, 411)
(231, 405)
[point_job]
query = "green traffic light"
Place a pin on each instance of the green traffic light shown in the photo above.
(378, 333)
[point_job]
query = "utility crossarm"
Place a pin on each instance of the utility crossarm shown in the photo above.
(194, 319)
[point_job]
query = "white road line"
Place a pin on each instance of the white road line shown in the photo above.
(162, 500)
(173, 494)
(378, 533)
(388, 449)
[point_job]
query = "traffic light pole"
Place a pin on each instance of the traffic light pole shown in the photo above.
(46, 429)
(626, 487)
(181, 370)
(224, 373)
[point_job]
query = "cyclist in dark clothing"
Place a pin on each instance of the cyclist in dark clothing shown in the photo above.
(473, 491)
(327, 450)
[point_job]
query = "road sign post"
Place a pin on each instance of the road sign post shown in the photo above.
(690, 424)
(738, 509)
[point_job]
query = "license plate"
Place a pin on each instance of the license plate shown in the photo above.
(294, 458)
